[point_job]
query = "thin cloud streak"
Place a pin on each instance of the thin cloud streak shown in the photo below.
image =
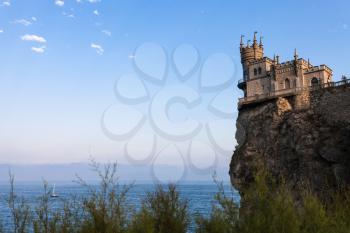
(33, 38)
(6, 3)
(106, 32)
(23, 22)
(38, 49)
(98, 48)
(59, 2)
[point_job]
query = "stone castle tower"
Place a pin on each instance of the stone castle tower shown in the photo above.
(265, 77)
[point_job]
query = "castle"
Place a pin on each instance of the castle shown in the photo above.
(295, 121)
(265, 78)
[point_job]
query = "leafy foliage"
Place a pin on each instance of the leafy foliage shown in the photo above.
(268, 207)
(162, 211)
(105, 208)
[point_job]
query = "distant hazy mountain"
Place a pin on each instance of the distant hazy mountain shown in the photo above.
(67, 172)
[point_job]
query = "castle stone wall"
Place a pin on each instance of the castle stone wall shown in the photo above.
(258, 86)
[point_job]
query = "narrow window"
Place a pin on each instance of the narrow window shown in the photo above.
(255, 71)
(259, 70)
(287, 84)
(245, 75)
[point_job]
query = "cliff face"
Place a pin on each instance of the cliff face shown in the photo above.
(301, 142)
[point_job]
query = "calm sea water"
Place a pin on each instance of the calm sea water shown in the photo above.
(200, 195)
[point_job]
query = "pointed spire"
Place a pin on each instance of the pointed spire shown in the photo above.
(255, 43)
(255, 36)
(277, 59)
(274, 57)
(295, 54)
(242, 44)
(261, 43)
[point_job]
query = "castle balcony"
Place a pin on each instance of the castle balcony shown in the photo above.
(289, 92)
(271, 95)
(242, 84)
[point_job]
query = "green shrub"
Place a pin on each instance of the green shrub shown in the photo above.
(269, 207)
(105, 208)
(44, 219)
(340, 212)
(162, 211)
(224, 214)
(19, 209)
(70, 216)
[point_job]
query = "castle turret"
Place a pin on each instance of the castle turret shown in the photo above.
(251, 52)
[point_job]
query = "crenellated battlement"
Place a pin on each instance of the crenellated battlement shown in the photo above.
(319, 68)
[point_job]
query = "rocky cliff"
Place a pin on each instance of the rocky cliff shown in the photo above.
(304, 138)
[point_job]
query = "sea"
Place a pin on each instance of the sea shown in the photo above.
(199, 194)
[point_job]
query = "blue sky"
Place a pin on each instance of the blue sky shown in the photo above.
(60, 61)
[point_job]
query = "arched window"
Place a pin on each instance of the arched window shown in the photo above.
(255, 71)
(287, 84)
(314, 81)
(259, 70)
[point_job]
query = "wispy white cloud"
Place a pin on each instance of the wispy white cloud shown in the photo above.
(98, 48)
(68, 15)
(34, 38)
(106, 32)
(38, 49)
(34, 19)
(59, 2)
(6, 3)
(96, 12)
(1, 31)
(23, 22)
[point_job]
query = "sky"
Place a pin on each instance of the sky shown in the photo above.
(71, 74)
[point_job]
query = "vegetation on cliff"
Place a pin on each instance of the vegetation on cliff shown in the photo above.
(270, 207)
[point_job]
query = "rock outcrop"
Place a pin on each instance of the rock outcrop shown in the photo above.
(307, 142)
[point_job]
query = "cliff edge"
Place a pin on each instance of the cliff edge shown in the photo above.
(304, 138)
